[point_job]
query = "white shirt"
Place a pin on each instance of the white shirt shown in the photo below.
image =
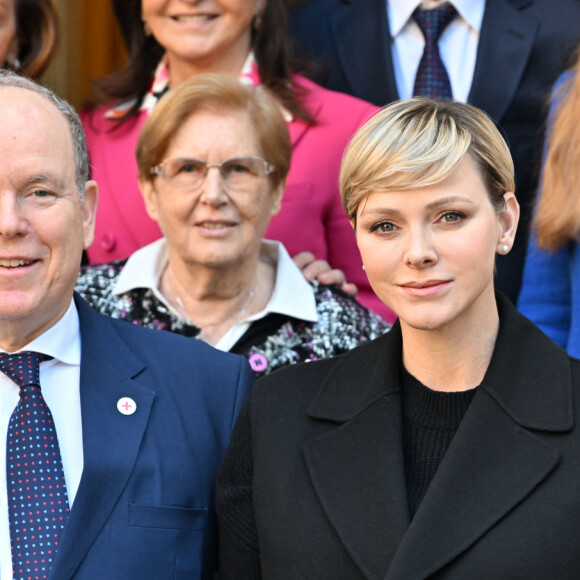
(457, 45)
(59, 379)
(292, 296)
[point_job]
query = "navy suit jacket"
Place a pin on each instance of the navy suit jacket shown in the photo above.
(145, 505)
(523, 47)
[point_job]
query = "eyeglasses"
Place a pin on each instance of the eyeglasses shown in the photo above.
(188, 174)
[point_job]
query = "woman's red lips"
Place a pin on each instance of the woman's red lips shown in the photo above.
(425, 288)
(424, 284)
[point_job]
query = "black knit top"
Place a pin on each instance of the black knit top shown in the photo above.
(430, 421)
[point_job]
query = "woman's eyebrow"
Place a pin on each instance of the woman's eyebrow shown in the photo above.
(448, 200)
(380, 211)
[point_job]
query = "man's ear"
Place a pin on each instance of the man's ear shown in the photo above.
(89, 212)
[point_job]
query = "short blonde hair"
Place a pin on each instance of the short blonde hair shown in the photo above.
(215, 93)
(420, 142)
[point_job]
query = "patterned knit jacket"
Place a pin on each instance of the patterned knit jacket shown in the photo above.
(270, 343)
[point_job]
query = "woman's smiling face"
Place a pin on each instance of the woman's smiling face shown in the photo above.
(215, 225)
(209, 34)
(429, 252)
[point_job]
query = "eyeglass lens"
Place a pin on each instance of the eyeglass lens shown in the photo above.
(238, 173)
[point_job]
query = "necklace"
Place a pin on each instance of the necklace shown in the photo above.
(176, 301)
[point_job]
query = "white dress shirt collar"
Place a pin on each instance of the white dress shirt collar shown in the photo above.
(61, 341)
(143, 269)
(400, 11)
(292, 296)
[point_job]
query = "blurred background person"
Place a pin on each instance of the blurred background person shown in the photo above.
(502, 56)
(170, 41)
(441, 448)
(550, 293)
(213, 160)
(28, 35)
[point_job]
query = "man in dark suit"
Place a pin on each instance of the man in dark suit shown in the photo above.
(142, 417)
(521, 48)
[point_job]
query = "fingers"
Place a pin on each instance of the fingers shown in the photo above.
(313, 269)
(303, 259)
(350, 289)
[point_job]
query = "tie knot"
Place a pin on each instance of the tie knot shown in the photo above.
(23, 367)
(433, 22)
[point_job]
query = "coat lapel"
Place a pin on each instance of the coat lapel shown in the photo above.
(297, 128)
(360, 485)
(505, 46)
(496, 458)
(374, 81)
(490, 467)
(110, 440)
(356, 468)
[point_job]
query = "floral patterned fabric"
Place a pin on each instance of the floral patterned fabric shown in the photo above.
(271, 342)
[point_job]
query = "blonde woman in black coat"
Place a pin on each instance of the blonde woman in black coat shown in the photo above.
(448, 448)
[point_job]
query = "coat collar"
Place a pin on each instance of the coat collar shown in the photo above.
(357, 468)
(111, 441)
(529, 376)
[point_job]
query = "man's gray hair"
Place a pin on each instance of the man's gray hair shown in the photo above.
(79, 144)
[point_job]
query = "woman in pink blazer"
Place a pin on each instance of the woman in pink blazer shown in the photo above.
(320, 123)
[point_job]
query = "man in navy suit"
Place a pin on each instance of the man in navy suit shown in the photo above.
(505, 56)
(142, 417)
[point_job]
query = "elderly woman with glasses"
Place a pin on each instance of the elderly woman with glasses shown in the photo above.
(169, 41)
(213, 159)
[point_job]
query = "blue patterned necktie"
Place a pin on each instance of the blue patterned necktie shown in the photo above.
(432, 79)
(37, 499)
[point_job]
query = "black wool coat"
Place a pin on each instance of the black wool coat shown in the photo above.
(313, 483)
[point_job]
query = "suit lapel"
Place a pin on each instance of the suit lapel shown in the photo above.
(374, 80)
(505, 45)
(110, 440)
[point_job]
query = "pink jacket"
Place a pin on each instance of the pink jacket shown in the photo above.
(311, 218)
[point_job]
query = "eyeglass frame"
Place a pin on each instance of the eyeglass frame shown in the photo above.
(159, 169)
